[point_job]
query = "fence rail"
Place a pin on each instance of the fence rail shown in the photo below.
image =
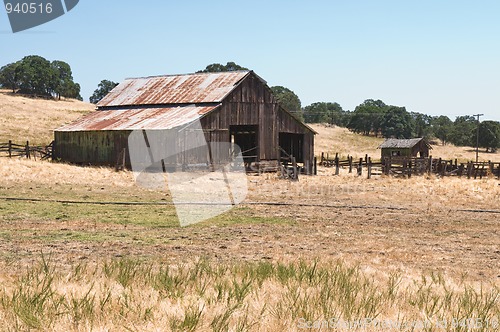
(28, 151)
(402, 166)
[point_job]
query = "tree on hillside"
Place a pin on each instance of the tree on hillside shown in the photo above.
(9, 76)
(367, 117)
(218, 68)
(464, 131)
(102, 90)
(36, 76)
(489, 135)
(73, 91)
(322, 112)
(288, 99)
(397, 123)
(63, 85)
(422, 124)
(442, 127)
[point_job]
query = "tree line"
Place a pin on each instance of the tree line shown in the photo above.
(374, 117)
(37, 76)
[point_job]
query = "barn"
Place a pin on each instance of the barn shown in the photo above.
(235, 107)
(415, 147)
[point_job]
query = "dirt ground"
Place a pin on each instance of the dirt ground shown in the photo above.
(411, 226)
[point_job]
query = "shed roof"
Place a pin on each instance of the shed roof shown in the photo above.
(139, 118)
(174, 89)
(393, 143)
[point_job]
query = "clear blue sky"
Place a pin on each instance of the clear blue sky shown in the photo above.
(434, 57)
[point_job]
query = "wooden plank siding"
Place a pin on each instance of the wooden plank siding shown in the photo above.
(252, 103)
(90, 147)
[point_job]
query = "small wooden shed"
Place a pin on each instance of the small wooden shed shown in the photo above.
(415, 147)
(233, 107)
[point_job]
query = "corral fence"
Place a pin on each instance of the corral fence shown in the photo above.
(289, 168)
(406, 167)
(12, 150)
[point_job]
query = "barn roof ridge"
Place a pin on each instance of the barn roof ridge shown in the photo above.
(187, 74)
(402, 143)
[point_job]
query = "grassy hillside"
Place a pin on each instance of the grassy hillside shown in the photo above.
(335, 139)
(33, 119)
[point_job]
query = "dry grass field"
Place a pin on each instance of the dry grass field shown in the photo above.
(76, 254)
(32, 119)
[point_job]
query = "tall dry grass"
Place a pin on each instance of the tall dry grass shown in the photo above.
(201, 295)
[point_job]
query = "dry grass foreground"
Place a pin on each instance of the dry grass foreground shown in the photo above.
(404, 251)
(33, 119)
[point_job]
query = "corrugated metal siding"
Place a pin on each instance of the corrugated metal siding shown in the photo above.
(177, 89)
(139, 119)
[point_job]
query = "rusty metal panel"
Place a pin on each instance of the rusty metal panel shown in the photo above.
(139, 119)
(175, 89)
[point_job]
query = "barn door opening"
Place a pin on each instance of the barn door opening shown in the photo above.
(246, 137)
(292, 145)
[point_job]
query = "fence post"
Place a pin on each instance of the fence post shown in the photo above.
(315, 169)
(28, 156)
(360, 167)
(430, 165)
(337, 164)
(322, 158)
(10, 149)
(369, 168)
(295, 176)
(461, 170)
(410, 169)
(366, 159)
(350, 164)
(387, 166)
(405, 168)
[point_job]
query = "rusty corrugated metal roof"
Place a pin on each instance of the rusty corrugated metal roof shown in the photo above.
(139, 119)
(174, 89)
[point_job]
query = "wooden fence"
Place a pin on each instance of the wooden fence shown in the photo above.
(401, 166)
(28, 151)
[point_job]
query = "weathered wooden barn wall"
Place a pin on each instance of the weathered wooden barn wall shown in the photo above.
(403, 152)
(90, 147)
(252, 103)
